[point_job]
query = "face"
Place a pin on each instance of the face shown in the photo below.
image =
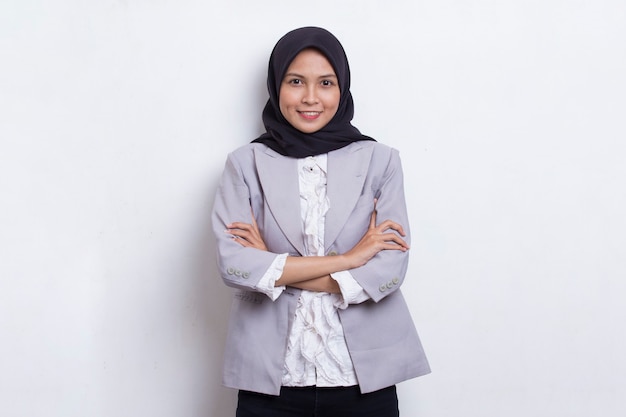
(309, 92)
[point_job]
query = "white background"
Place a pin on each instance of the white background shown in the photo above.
(115, 120)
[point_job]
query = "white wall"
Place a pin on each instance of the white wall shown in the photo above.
(115, 120)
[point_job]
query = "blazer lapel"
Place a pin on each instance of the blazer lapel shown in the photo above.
(347, 170)
(279, 179)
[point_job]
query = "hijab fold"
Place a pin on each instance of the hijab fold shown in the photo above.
(282, 136)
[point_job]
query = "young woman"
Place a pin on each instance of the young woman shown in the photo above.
(318, 325)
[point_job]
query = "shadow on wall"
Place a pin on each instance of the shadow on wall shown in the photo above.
(213, 299)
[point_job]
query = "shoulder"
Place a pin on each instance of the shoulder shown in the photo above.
(382, 155)
(376, 156)
(246, 150)
(377, 148)
(245, 155)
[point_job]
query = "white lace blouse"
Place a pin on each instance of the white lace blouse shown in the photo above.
(316, 352)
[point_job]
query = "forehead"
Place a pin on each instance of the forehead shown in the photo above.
(311, 60)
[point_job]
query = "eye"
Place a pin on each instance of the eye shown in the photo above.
(327, 83)
(294, 81)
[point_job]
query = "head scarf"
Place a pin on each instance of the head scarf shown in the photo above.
(339, 132)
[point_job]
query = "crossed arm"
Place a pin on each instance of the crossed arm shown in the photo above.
(313, 272)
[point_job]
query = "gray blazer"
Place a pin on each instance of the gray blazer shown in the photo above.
(380, 334)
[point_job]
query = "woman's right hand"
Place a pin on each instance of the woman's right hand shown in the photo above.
(385, 236)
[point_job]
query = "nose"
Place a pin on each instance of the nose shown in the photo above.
(310, 95)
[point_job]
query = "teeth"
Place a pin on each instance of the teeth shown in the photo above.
(311, 113)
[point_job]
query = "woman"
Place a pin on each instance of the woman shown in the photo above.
(318, 324)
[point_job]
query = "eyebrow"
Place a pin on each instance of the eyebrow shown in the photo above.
(293, 74)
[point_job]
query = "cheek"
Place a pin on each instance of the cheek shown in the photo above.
(332, 102)
(285, 101)
(283, 109)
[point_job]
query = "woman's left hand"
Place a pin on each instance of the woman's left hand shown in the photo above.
(246, 234)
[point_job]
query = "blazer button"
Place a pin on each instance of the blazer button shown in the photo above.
(238, 273)
(332, 253)
(382, 288)
(390, 285)
(245, 275)
(230, 271)
(395, 281)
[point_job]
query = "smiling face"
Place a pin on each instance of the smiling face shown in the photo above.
(309, 92)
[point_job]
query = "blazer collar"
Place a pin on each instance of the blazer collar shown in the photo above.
(279, 180)
(347, 170)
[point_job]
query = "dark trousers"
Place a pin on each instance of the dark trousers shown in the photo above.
(319, 402)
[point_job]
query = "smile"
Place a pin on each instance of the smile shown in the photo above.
(311, 115)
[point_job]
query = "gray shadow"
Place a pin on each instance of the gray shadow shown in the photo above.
(212, 300)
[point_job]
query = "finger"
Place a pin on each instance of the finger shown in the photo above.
(389, 224)
(393, 246)
(392, 237)
(255, 228)
(243, 242)
(247, 241)
(239, 233)
(373, 216)
(239, 225)
(253, 219)
(373, 220)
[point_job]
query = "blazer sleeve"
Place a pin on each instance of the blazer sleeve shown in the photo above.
(385, 272)
(239, 267)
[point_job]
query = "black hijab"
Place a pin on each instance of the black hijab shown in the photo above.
(339, 132)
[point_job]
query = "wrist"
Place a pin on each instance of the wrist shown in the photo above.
(346, 262)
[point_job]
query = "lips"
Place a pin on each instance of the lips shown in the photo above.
(310, 115)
